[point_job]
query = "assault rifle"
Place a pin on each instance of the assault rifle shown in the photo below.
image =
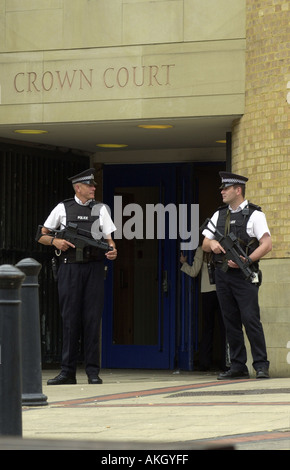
(233, 250)
(79, 238)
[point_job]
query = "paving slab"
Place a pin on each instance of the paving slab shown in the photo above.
(152, 409)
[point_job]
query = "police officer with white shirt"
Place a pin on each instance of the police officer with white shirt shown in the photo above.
(238, 297)
(80, 283)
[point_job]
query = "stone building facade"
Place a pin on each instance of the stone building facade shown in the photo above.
(261, 144)
(84, 62)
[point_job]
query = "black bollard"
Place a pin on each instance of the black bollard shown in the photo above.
(11, 279)
(30, 335)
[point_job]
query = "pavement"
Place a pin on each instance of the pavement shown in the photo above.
(165, 411)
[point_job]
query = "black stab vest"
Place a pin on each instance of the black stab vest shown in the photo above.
(82, 216)
(238, 226)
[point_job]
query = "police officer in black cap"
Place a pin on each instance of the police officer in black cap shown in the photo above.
(80, 283)
(238, 297)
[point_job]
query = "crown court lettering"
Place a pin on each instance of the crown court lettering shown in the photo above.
(79, 79)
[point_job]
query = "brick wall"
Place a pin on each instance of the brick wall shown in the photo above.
(261, 139)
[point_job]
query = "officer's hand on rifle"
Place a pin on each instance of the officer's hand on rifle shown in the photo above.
(62, 244)
(45, 237)
(232, 264)
(216, 247)
(111, 255)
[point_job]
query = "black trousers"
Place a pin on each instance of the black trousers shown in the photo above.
(238, 300)
(81, 299)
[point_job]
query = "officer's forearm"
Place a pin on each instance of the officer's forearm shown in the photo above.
(206, 245)
(265, 246)
(46, 239)
(110, 241)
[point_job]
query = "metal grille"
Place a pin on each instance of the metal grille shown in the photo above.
(33, 181)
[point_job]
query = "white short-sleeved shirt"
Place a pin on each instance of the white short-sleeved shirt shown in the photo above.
(57, 218)
(256, 227)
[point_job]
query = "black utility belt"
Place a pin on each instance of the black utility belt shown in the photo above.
(218, 264)
(88, 255)
(72, 261)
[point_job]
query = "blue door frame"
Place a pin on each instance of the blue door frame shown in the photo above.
(162, 354)
(187, 318)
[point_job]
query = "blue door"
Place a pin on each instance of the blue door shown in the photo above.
(140, 305)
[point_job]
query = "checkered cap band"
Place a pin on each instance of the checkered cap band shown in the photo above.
(84, 178)
(233, 181)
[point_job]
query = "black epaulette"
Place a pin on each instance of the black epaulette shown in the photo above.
(255, 208)
(66, 201)
(93, 203)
